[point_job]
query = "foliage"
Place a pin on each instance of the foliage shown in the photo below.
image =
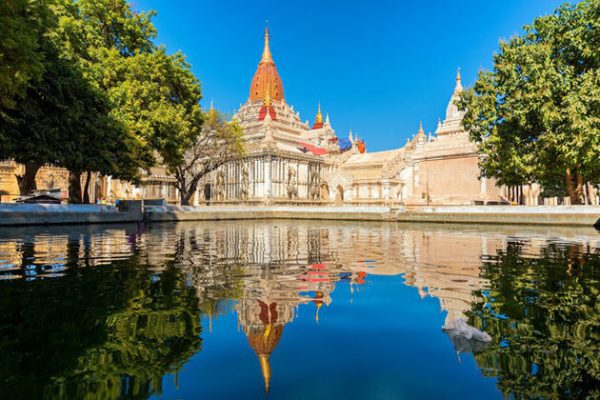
(21, 62)
(543, 315)
(107, 332)
(123, 105)
(219, 143)
(536, 117)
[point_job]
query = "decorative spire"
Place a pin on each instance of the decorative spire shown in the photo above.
(319, 115)
(211, 110)
(319, 120)
(266, 78)
(350, 136)
(458, 88)
(266, 56)
(420, 137)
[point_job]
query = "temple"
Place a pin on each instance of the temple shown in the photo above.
(294, 162)
(289, 161)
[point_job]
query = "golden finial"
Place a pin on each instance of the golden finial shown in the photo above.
(458, 75)
(266, 56)
(319, 115)
(211, 111)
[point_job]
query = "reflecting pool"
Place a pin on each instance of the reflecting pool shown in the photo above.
(298, 310)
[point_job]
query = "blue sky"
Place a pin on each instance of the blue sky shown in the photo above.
(377, 67)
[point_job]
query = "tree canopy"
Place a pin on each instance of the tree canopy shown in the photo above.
(536, 116)
(219, 142)
(105, 98)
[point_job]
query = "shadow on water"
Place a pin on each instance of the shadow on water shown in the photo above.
(107, 312)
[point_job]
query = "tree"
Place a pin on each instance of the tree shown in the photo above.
(219, 143)
(21, 62)
(536, 117)
(109, 100)
(155, 96)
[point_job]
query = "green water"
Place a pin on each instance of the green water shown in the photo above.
(290, 309)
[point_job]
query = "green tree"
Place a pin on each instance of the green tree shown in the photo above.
(154, 95)
(218, 143)
(63, 118)
(536, 117)
(21, 62)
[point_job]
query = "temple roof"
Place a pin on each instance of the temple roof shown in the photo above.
(266, 79)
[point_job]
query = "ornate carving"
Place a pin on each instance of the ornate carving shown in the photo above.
(220, 189)
(245, 191)
(313, 191)
(292, 184)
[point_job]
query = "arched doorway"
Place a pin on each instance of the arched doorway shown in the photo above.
(207, 192)
(324, 192)
(339, 196)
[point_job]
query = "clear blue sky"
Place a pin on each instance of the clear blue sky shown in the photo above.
(377, 67)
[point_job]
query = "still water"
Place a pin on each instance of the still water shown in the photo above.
(298, 310)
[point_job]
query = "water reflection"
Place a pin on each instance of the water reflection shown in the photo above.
(112, 311)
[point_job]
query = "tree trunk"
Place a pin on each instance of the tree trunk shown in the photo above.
(75, 187)
(86, 188)
(574, 183)
(186, 193)
(27, 180)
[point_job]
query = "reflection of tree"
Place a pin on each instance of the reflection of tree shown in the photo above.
(543, 314)
(100, 333)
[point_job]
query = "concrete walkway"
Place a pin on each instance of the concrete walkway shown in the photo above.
(135, 211)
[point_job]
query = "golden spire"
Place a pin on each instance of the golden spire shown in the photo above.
(266, 56)
(458, 75)
(211, 111)
(319, 115)
(265, 368)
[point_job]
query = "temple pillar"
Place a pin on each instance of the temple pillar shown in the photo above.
(267, 181)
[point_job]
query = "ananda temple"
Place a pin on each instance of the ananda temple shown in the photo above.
(294, 162)
(289, 161)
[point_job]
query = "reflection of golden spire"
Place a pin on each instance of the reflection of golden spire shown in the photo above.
(266, 56)
(265, 368)
(319, 305)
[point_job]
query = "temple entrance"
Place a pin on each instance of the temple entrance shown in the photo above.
(339, 196)
(207, 192)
